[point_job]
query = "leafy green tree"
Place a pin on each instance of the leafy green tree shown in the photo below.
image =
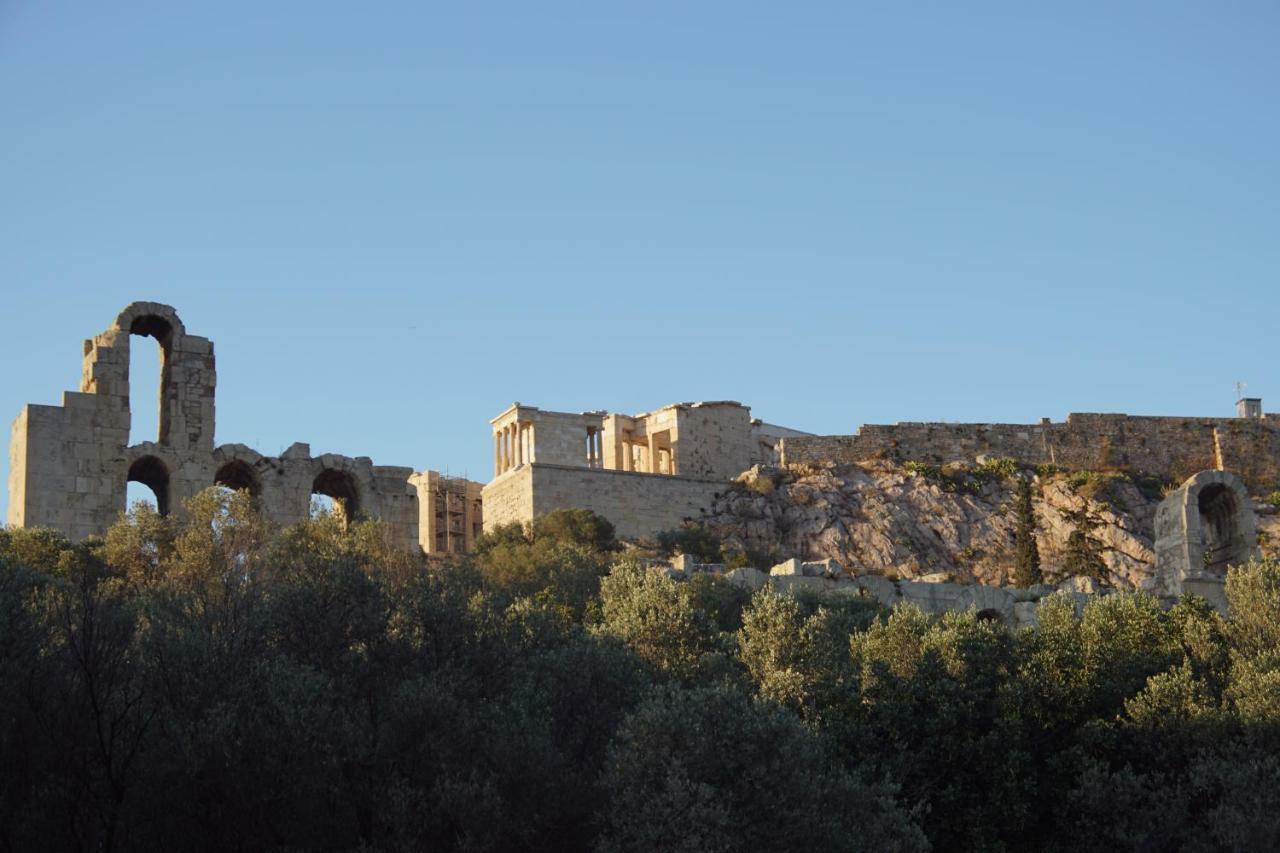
(204, 681)
(559, 558)
(709, 769)
(29, 777)
(1125, 640)
(1026, 571)
(723, 602)
(140, 544)
(934, 695)
(657, 619)
(1083, 555)
(799, 660)
(46, 551)
(1253, 601)
(694, 539)
(580, 527)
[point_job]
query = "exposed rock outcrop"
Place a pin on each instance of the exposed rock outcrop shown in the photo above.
(955, 522)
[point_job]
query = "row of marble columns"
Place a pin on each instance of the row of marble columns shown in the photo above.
(651, 452)
(595, 449)
(511, 447)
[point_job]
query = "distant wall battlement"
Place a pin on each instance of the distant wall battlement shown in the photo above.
(1169, 447)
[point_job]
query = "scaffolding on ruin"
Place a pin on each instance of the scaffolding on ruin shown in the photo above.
(450, 497)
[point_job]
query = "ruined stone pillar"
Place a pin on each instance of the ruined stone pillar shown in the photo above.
(519, 444)
(497, 454)
(654, 456)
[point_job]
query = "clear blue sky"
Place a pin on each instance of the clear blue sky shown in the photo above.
(396, 218)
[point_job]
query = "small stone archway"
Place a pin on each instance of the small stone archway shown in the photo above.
(342, 488)
(238, 475)
(1203, 528)
(154, 474)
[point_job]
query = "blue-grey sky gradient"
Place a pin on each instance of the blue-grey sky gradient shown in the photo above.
(396, 218)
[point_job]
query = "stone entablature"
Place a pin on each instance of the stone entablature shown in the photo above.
(1170, 447)
(69, 465)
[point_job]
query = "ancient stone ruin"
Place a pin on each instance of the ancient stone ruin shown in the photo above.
(645, 472)
(649, 473)
(1202, 528)
(70, 464)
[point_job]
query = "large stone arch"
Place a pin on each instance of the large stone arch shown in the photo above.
(238, 475)
(347, 482)
(237, 466)
(138, 317)
(187, 373)
(163, 330)
(152, 471)
(1203, 528)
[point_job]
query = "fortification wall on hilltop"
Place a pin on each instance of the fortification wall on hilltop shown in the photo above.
(1168, 447)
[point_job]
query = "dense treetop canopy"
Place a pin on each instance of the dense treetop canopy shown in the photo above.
(211, 683)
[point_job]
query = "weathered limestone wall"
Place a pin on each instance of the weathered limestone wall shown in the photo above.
(509, 498)
(715, 440)
(1170, 447)
(637, 504)
(766, 438)
(561, 438)
(69, 465)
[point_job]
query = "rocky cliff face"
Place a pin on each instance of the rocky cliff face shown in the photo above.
(917, 521)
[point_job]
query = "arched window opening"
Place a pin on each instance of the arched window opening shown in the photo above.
(1219, 525)
(147, 376)
(237, 475)
(149, 472)
(334, 492)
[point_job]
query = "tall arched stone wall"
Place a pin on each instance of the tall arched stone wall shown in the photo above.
(69, 465)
